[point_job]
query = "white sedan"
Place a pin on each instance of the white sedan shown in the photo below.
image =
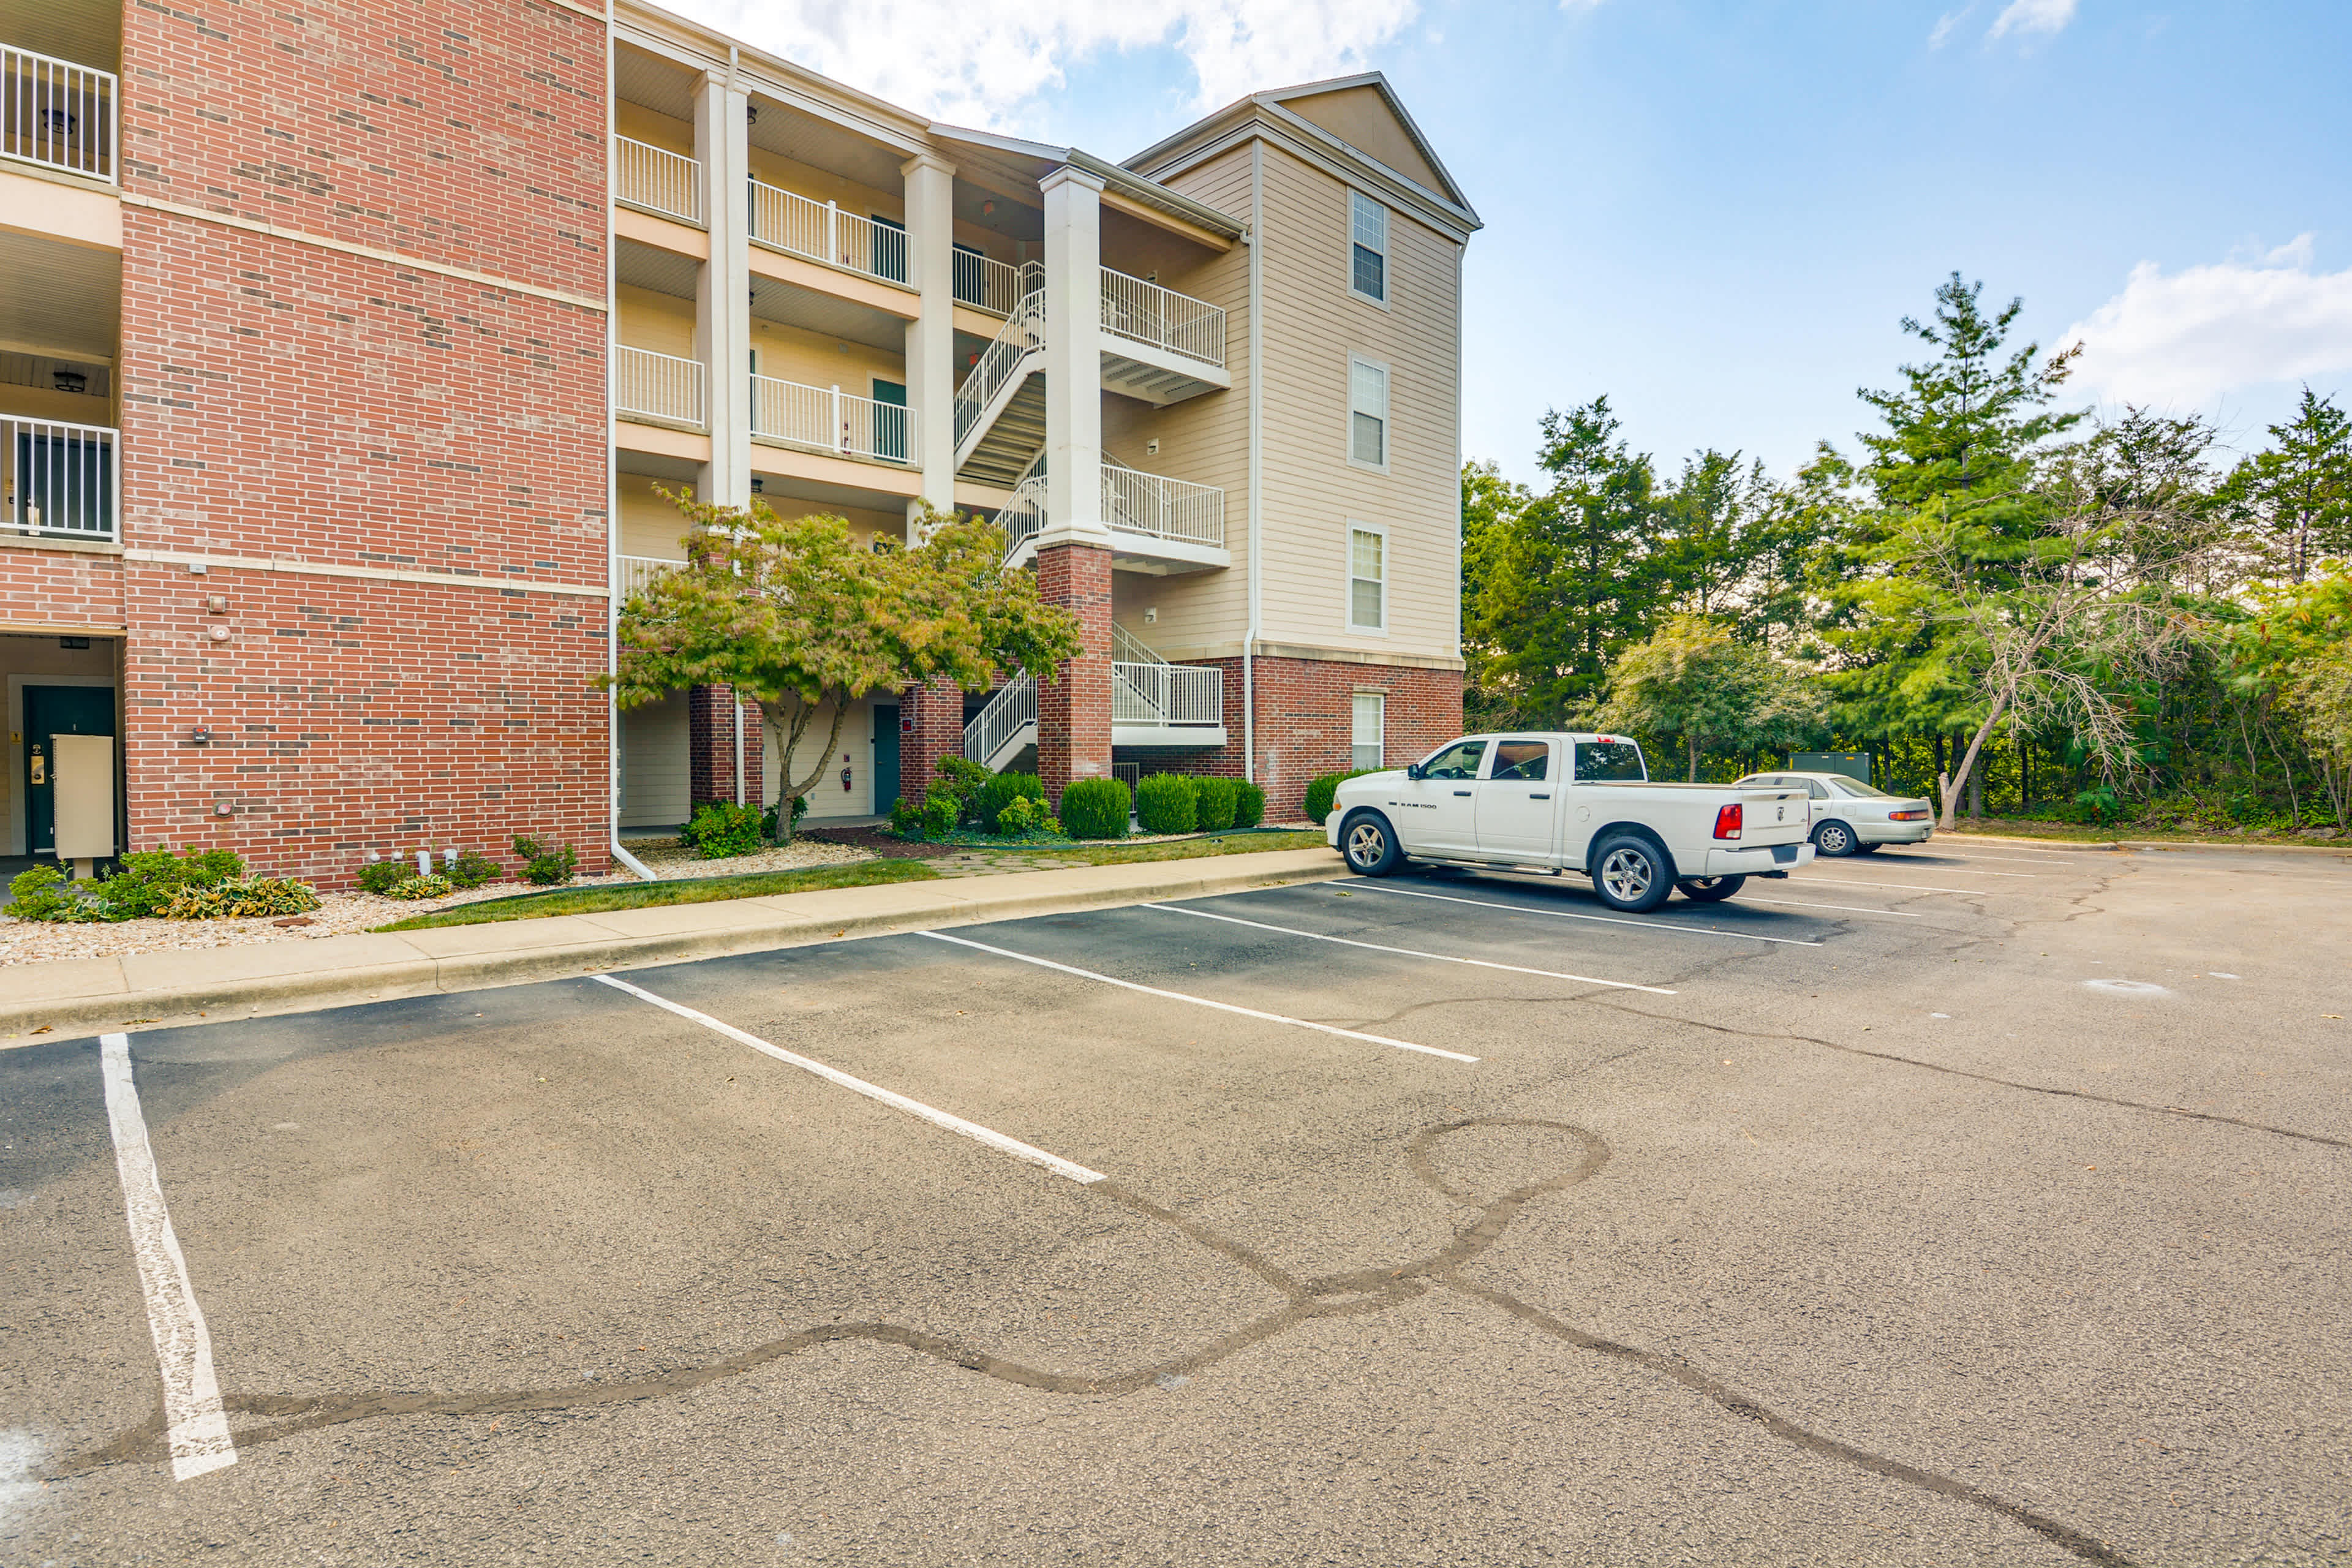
(1850, 818)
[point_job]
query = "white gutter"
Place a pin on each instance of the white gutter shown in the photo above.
(1256, 454)
(612, 485)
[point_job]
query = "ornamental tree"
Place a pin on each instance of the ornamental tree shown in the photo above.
(1695, 681)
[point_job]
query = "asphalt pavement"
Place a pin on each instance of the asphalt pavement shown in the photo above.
(1974, 1205)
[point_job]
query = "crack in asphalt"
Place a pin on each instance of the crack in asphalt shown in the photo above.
(1352, 1293)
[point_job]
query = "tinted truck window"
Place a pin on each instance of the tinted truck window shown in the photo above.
(1601, 762)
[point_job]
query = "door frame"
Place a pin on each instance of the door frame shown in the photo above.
(20, 808)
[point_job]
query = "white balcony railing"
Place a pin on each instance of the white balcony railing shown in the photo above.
(822, 231)
(828, 420)
(1167, 694)
(1022, 334)
(659, 180)
(57, 113)
(660, 387)
(1163, 318)
(1165, 507)
(994, 729)
(993, 285)
(60, 481)
(638, 572)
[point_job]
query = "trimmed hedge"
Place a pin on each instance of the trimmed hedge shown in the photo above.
(1168, 803)
(1249, 804)
(1000, 790)
(1095, 808)
(1214, 801)
(721, 829)
(1320, 790)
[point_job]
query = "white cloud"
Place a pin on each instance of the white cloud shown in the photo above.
(982, 62)
(2031, 17)
(2180, 340)
(1942, 31)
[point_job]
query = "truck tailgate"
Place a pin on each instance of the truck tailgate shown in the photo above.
(1775, 813)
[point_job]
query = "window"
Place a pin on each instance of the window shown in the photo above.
(1368, 413)
(1458, 760)
(1367, 579)
(1854, 789)
(1521, 762)
(1603, 762)
(1372, 722)
(1367, 252)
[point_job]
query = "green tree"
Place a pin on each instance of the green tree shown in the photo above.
(1695, 682)
(798, 614)
(1710, 532)
(2298, 495)
(1492, 511)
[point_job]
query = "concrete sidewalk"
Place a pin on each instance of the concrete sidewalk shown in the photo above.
(91, 995)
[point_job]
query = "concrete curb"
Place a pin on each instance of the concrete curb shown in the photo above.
(334, 972)
(2197, 846)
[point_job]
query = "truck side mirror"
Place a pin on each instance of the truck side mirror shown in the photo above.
(1414, 771)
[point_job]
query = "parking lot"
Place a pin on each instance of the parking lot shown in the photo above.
(1973, 1206)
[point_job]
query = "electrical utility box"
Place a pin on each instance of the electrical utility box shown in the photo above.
(82, 769)
(1852, 764)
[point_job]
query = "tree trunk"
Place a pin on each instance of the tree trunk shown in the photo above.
(792, 747)
(1693, 757)
(1976, 788)
(1968, 762)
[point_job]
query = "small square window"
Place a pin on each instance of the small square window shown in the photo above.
(1368, 413)
(1367, 249)
(1368, 582)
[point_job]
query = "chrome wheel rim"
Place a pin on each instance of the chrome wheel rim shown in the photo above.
(1366, 844)
(1835, 839)
(1626, 874)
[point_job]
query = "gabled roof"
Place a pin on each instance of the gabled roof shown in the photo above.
(1035, 158)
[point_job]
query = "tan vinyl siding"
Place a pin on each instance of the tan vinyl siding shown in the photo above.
(794, 353)
(655, 786)
(663, 323)
(652, 127)
(827, 800)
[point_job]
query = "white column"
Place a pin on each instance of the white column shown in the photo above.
(930, 337)
(1073, 359)
(722, 312)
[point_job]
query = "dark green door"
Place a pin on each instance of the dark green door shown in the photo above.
(56, 710)
(885, 757)
(891, 420)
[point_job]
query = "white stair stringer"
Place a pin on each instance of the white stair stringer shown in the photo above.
(1000, 731)
(1017, 352)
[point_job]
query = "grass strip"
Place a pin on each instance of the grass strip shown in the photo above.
(1247, 841)
(651, 895)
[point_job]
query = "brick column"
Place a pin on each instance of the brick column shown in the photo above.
(1074, 712)
(713, 719)
(936, 714)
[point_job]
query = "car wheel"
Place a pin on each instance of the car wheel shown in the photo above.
(1868, 848)
(1631, 873)
(1835, 839)
(1711, 889)
(1369, 844)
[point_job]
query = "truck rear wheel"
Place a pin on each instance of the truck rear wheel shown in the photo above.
(1711, 889)
(1369, 844)
(1631, 873)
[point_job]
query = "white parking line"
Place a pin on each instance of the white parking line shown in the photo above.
(1964, 871)
(916, 1107)
(1199, 1001)
(1906, 887)
(1413, 952)
(1850, 909)
(1604, 920)
(1969, 855)
(195, 1426)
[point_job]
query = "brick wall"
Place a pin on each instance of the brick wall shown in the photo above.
(930, 726)
(1074, 712)
(711, 730)
(59, 588)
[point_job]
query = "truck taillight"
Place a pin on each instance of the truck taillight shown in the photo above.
(1727, 822)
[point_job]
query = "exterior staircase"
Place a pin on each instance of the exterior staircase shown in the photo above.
(1000, 410)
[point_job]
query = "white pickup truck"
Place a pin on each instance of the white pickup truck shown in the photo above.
(1581, 802)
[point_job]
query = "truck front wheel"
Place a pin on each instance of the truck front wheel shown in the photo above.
(1631, 873)
(1369, 844)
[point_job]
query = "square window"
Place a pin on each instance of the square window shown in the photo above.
(1367, 249)
(1366, 580)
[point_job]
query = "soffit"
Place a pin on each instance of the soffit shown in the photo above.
(64, 299)
(651, 82)
(663, 271)
(87, 35)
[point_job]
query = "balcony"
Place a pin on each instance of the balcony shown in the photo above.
(57, 114)
(821, 231)
(1166, 697)
(59, 481)
(1159, 346)
(638, 572)
(660, 389)
(987, 284)
(828, 420)
(1159, 526)
(658, 181)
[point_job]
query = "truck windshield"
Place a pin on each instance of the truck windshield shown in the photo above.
(1599, 762)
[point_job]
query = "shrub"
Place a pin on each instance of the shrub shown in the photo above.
(1320, 790)
(383, 876)
(1166, 802)
(543, 865)
(939, 815)
(961, 780)
(472, 869)
(767, 823)
(44, 893)
(1249, 804)
(906, 818)
(1214, 804)
(149, 879)
(430, 886)
(254, 899)
(1025, 814)
(720, 828)
(1002, 790)
(1095, 808)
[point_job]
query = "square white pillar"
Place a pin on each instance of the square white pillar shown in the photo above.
(1073, 509)
(930, 337)
(722, 306)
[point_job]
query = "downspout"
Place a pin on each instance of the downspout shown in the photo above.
(1256, 452)
(613, 488)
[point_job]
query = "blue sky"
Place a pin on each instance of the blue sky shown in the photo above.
(1717, 214)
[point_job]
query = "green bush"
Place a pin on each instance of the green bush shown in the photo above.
(1214, 804)
(44, 893)
(960, 780)
(906, 818)
(1095, 808)
(939, 815)
(543, 865)
(253, 899)
(383, 876)
(473, 869)
(1320, 790)
(1166, 802)
(431, 886)
(1249, 804)
(721, 829)
(1001, 790)
(767, 823)
(149, 879)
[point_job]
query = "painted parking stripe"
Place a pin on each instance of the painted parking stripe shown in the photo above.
(194, 1425)
(1602, 920)
(896, 1101)
(1906, 887)
(1411, 952)
(1850, 909)
(1199, 1001)
(1965, 871)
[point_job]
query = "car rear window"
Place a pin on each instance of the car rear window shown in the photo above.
(1601, 762)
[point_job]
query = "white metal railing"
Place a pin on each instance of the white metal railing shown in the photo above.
(57, 113)
(660, 386)
(998, 724)
(659, 180)
(58, 481)
(993, 285)
(1151, 314)
(828, 420)
(1023, 517)
(1128, 648)
(1165, 507)
(822, 231)
(1169, 694)
(638, 572)
(1022, 334)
